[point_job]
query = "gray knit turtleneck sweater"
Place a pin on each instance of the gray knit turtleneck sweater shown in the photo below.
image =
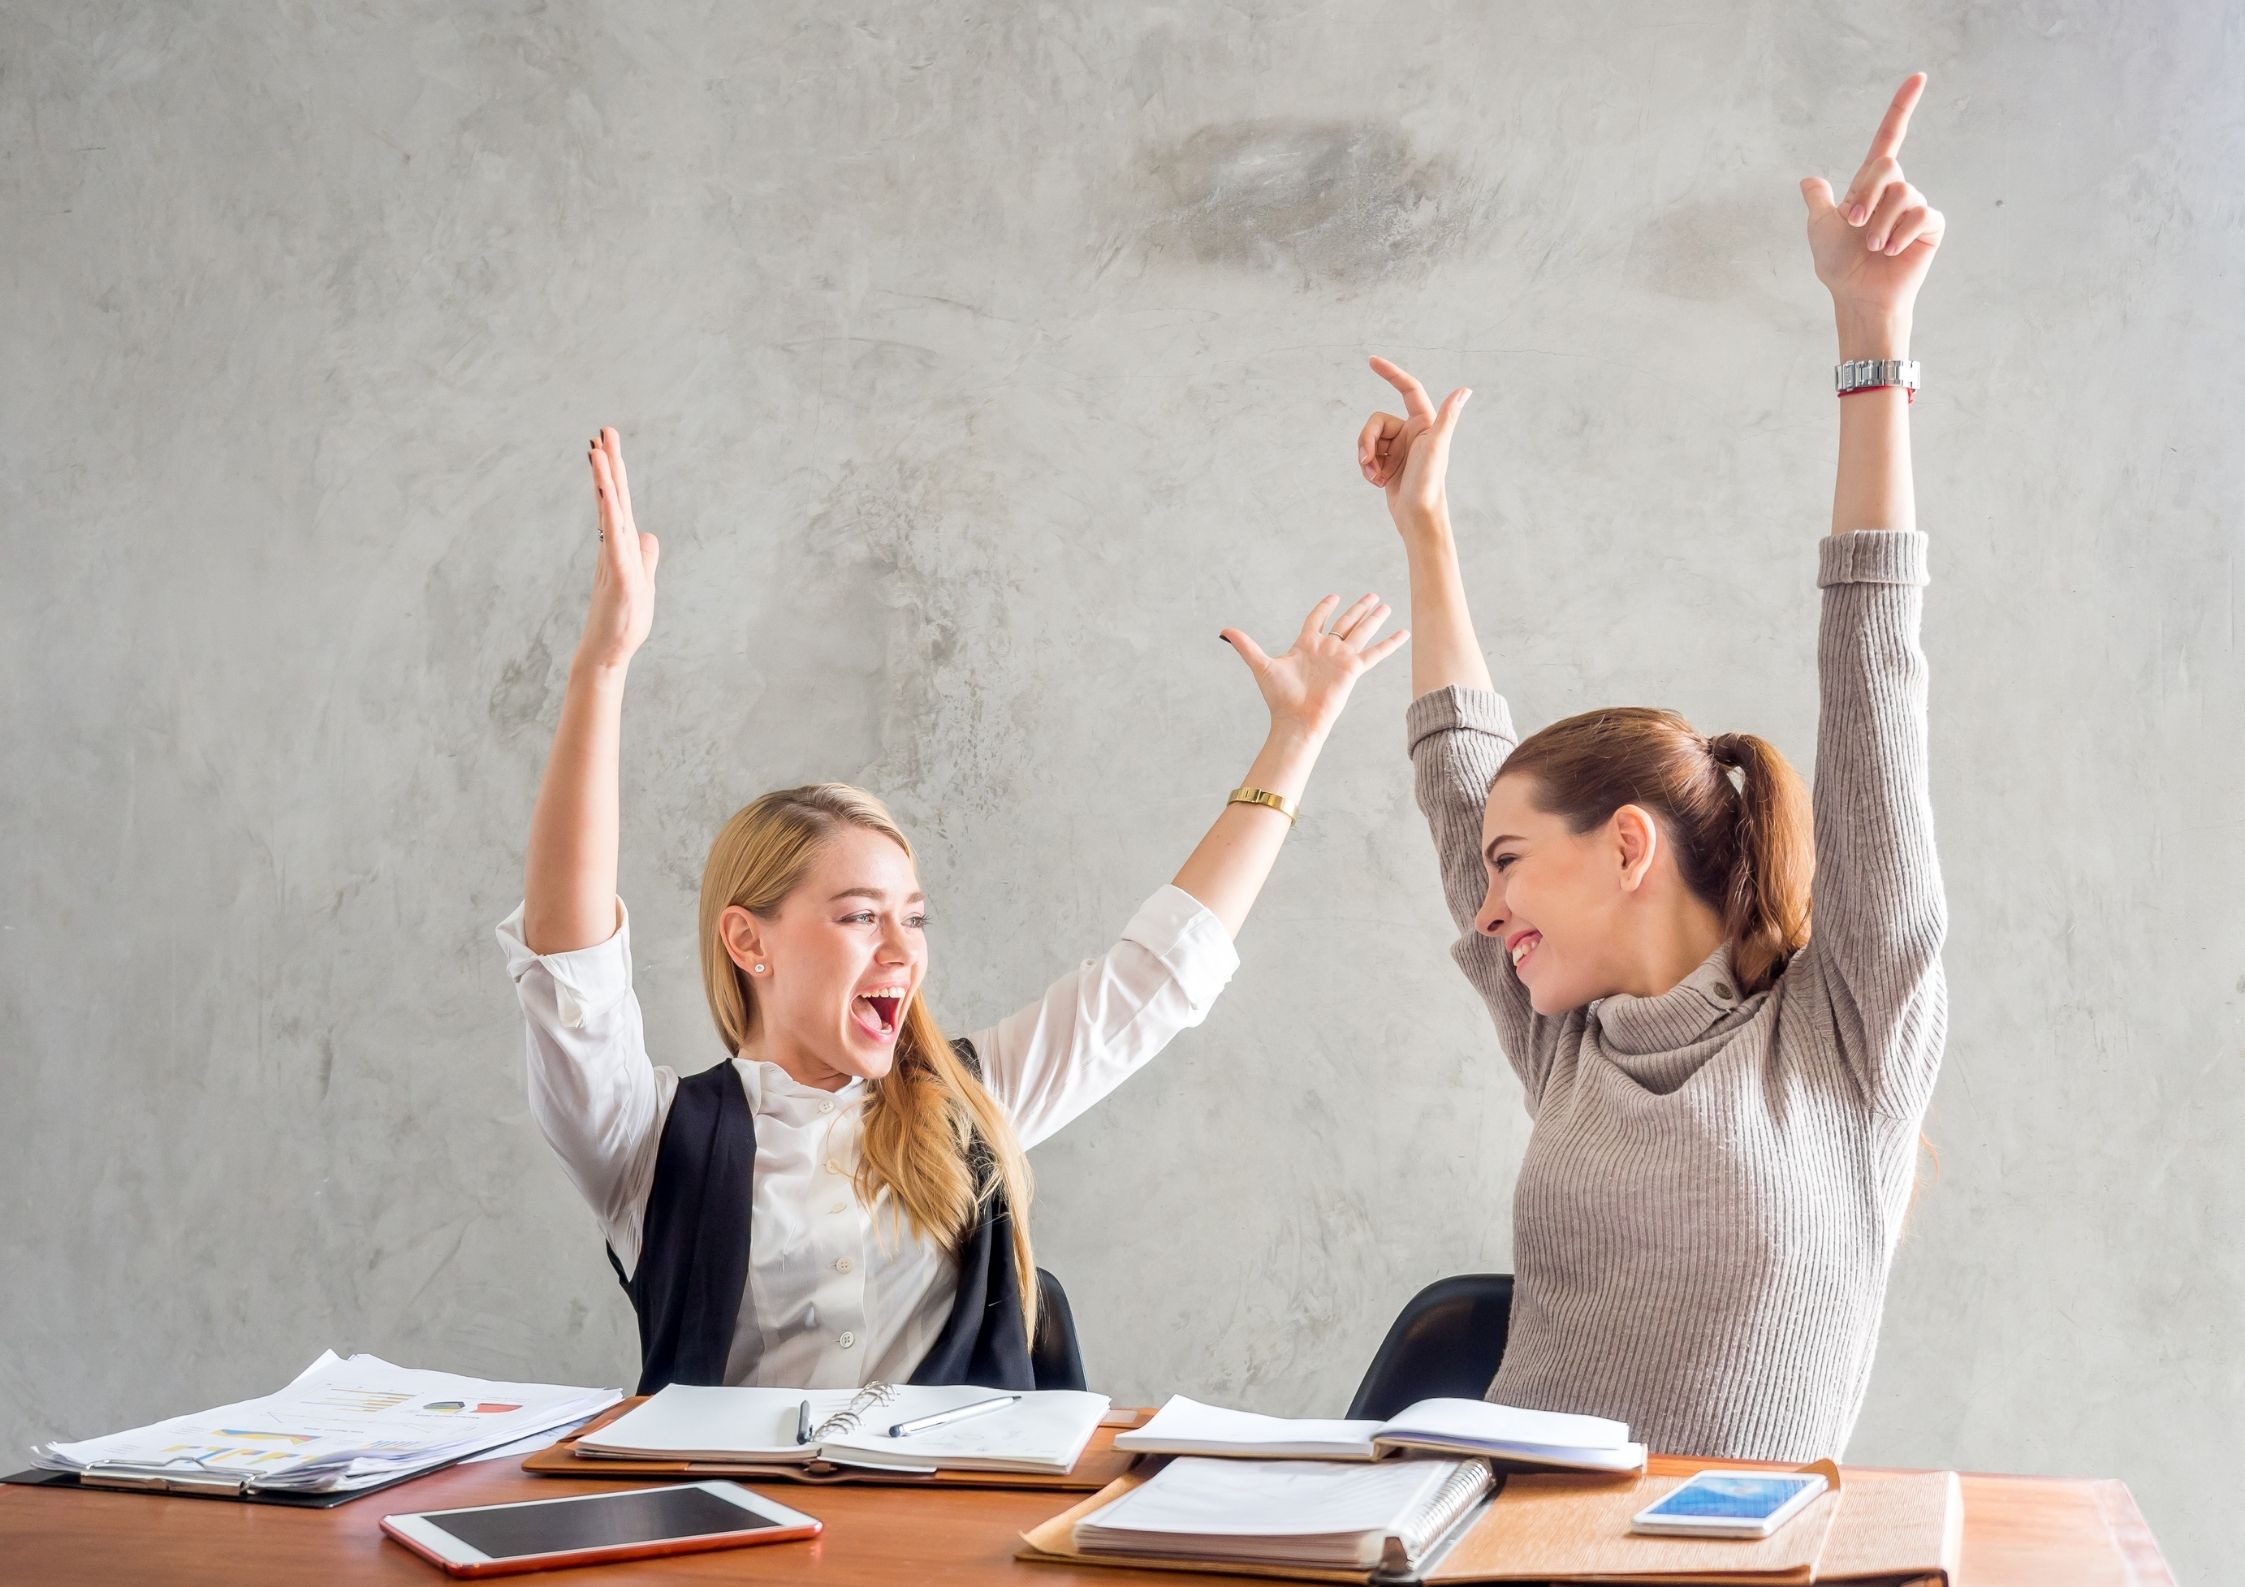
(1711, 1194)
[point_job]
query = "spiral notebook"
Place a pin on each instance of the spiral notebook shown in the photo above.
(1042, 1431)
(1308, 1514)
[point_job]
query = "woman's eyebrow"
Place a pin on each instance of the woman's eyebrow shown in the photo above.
(874, 893)
(1489, 849)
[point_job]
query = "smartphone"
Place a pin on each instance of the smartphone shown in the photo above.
(594, 1528)
(1731, 1504)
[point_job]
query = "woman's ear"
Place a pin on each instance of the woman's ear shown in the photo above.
(1636, 841)
(743, 936)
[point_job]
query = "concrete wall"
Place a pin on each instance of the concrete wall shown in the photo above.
(977, 365)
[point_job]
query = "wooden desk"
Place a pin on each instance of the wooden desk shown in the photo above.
(2019, 1532)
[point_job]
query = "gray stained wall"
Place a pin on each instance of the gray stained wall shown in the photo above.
(977, 366)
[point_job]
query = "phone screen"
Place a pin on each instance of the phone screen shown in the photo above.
(1732, 1498)
(512, 1530)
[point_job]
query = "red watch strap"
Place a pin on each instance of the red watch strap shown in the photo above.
(1853, 390)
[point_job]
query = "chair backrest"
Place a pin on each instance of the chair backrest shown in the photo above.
(1053, 1356)
(1446, 1342)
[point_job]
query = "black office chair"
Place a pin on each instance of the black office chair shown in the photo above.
(1053, 1357)
(1445, 1343)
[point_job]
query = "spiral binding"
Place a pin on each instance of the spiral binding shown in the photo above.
(848, 1419)
(1451, 1501)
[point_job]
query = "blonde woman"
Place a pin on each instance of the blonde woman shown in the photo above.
(844, 1199)
(1726, 1103)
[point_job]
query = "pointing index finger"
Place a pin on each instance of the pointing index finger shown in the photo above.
(1415, 401)
(1886, 143)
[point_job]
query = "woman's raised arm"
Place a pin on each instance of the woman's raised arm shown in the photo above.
(1873, 246)
(1109, 1016)
(1408, 456)
(1879, 916)
(1304, 689)
(1460, 730)
(569, 893)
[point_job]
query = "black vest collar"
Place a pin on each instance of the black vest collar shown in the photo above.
(693, 1252)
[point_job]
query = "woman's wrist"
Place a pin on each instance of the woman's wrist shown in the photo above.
(1289, 752)
(598, 673)
(1872, 333)
(1427, 527)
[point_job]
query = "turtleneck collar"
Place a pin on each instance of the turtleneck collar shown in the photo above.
(1647, 1026)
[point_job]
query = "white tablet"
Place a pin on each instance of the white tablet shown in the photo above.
(1731, 1504)
(593, 1528)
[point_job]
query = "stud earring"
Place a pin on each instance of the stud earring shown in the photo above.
(759, 970)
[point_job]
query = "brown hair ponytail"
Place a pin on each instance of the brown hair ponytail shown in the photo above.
(1746, 848)
(1766, 903)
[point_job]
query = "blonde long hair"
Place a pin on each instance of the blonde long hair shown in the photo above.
(923, 1116)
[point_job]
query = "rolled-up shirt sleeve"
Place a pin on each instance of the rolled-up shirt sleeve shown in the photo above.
(1099, 1024)
(595, 1096)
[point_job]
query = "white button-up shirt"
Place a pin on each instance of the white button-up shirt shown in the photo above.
(839, 1294)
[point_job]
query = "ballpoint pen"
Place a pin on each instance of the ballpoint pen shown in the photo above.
(959, 1413)
(803, 1423)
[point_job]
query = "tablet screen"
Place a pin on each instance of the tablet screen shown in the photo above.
(563, 1525)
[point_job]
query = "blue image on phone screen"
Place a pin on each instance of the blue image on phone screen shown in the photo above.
(1732, 1498)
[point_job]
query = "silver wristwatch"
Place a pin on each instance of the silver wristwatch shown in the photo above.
(1861, 374)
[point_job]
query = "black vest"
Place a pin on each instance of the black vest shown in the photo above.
(693, 1252)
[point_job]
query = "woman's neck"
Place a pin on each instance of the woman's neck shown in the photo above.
(792, 1059)
(1675, 941)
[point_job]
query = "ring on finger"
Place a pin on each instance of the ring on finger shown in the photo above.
(1346, 624)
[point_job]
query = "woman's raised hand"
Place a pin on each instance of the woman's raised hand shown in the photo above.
(1409, 457)
(1307, 686)
(1874, 244)
(623, 580)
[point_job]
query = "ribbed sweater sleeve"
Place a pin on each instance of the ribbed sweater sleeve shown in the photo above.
(1458, 740)
(1878, 917)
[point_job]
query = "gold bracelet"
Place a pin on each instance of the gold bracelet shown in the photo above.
(1258, 796)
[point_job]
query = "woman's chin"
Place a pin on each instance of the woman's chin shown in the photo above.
(1551, 1001)
(866, 1060)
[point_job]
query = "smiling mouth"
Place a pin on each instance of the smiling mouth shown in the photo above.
(876, 1014)
(1528, 943)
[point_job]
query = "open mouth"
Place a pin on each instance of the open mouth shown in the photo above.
(1523, 945)
(876, 1013)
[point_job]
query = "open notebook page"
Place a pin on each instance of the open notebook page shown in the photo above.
(697, 1422)
(1042, 1431)
(1187, 1427)
(1483, 1427)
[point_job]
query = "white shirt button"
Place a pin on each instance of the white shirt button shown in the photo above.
(841, 1264)
(846, 1341)
(841, 1206)
(826, 1107)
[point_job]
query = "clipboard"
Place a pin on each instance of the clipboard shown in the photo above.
(1100, 1464)
(178, 1484)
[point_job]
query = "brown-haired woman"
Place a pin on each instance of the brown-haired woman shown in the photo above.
(877, 1165)
(1726, 1105)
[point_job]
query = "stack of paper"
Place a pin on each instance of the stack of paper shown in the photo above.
(1041, 1431)
(1441, 1426)
(1306, 1513)
(342, 1425)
